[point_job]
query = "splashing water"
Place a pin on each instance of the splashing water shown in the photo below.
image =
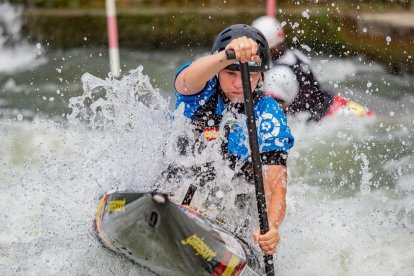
(366, 175)
(337, 184)
(350, 193)
(114, 139)
(133, 118)
(118, 137)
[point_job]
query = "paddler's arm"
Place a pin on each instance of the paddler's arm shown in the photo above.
(193, 79)
(274, 182)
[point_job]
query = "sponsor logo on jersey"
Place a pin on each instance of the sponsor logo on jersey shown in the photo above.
(269, 126)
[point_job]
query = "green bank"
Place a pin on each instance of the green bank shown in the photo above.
(327, 31)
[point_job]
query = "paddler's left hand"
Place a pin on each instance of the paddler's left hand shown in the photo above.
(269, 241)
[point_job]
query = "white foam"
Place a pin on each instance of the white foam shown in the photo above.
(52, 175)
(350, 235)
(406, 182)
(21, 58)
(333, 69)
(57, 173)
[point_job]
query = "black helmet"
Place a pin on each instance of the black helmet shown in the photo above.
(239, 30)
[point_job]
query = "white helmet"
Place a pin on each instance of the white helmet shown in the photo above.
(271, 29)
(280, 82)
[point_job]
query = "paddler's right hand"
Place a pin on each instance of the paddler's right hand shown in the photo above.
(245, 49)
(269, 241)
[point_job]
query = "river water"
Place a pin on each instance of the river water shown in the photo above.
(69, 133)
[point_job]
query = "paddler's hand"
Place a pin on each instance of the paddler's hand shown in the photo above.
(269, 241)
(244, 48)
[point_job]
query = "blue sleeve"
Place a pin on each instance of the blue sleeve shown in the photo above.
(179, 70)
(273, 131)
(193, 102)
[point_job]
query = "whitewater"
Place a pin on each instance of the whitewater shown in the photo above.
(67, 140)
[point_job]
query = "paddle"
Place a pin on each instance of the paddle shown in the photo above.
(256, 163)
(254, 148)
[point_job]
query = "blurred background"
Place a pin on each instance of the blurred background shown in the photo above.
(70, 131)
(336, 27)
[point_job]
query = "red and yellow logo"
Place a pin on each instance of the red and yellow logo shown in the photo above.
(211, 133)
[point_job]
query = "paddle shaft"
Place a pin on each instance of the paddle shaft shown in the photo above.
(256, 162)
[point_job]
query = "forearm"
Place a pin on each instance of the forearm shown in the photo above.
(274, 181)
(193, 79)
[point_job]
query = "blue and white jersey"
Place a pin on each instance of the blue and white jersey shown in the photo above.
(206, 109)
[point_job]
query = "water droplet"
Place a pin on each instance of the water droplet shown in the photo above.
(388, 39)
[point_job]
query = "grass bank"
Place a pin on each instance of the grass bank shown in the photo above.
(327, 30)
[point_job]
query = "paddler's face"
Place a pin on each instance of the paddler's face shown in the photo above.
(232, 85)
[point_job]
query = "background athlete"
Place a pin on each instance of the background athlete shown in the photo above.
(290, 79)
